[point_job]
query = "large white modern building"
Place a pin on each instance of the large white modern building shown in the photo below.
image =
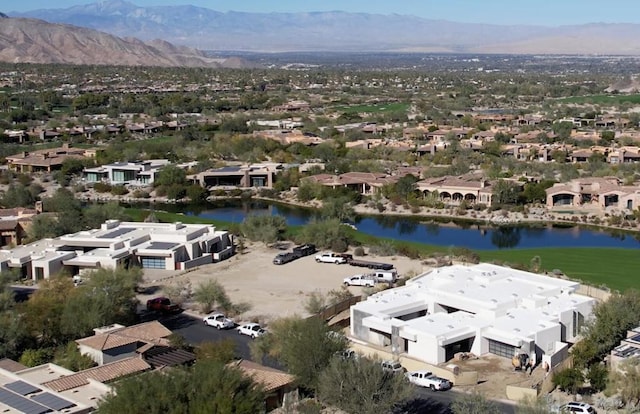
(168, 246)
(480, 309)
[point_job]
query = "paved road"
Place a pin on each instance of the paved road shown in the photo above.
(196, 332)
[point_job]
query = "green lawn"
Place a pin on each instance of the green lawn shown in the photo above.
(619, 269)
(374, 108)
(602, 99)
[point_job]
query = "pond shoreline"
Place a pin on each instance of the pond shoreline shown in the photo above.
(489, 219)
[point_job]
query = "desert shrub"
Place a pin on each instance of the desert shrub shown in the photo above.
(358, 251)
(102, 187)
(384, 248)
(119, 190)
(408, 251)
(339, 246)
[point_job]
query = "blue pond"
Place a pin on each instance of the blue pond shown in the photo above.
(431, 231)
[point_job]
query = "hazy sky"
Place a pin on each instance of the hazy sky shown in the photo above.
(540, 12)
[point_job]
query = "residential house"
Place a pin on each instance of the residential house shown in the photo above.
(24, 390)
(14, 223)
(628, 348)
(480, 309)
(594, 194)
(47, 160)
(115, 342)
(131, 173)
(168, 246)
(240, 176)
(363, 183)
(454, 190)
(277, 385)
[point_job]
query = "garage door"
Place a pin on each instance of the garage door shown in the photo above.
(501, 349)
(153, 262)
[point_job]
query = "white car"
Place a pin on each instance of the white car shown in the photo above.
(253, 330)
(577, 407)
(428, 380)
(218, 320)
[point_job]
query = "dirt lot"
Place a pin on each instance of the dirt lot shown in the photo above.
(275, 291)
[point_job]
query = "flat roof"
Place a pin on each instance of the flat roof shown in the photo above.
(154, 245)
(117, 232)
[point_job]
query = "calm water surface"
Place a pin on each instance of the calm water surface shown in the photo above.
(430, 231)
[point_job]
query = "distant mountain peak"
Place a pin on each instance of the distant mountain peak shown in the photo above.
(208, 29)
(3, 16)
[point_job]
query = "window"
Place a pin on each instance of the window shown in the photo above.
(578, 321)
(153, 262)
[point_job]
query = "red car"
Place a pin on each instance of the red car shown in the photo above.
(163, 305)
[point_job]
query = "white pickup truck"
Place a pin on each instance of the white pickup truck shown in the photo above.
(359, 280)
(428, 380)
(328, 257)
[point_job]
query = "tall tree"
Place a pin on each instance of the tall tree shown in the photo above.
(361, 386)
(304, 346)
(207, 387)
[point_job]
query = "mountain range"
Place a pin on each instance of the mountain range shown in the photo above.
(36, 41)
(208, 29)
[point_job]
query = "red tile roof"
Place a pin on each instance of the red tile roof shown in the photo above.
(103, 373)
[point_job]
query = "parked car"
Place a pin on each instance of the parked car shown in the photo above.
(304, 250)
(577, 407)
(218, 320)
(393, 367)
(253, 330)
(328, 257)
(163, 305)
(359, 280)
(286, 257)
(428, 380)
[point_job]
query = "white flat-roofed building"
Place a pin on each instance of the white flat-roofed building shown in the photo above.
(480, 309)
(168, 246)
(139, 172)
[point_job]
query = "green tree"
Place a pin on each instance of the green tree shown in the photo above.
(35, 357)
(598, 377)
(474, 403)
(96, 214)
(264, 228)
(612, 319)
(207, 387)
(304, 346)
(505, 192)
(338, 208)
(209, 293)
(569, 379)
(325, 234)
(69, 357)
(108, 296)
(361, 386)
(170, 175)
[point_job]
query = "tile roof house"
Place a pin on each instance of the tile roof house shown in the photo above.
(277, 385)
(594, 194)
(454, 190)
(46, 160)
(116, 342)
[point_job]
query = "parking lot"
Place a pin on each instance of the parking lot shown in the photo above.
(273, 290)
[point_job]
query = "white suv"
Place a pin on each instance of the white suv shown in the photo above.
(577, 407)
